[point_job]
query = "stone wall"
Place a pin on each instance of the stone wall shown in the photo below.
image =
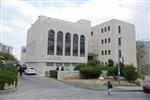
(68, 75)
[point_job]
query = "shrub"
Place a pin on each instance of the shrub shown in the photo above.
(130, 73)
(90, 72)
(78, 67)
(8, 75)
(110, 63)
(53, 73)
(87, 72)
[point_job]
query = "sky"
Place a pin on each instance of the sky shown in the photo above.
(16, 16)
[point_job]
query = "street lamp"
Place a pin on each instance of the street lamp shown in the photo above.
(119, 58)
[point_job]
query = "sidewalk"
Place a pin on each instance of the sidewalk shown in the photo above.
(79, 84)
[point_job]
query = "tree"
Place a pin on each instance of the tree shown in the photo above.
(110, 63)
(130, 73)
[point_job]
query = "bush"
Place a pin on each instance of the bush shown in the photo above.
(53, 73)
(130, 73)
(90, 72)
(8, 75)
(110, 63)
(78, 67)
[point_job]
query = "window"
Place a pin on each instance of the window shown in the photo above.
(105, 52)
(119, 41)
(75, 45)
(109, 52)
(102, 52)
(108, 40)
(120, 53)
(105, 63)
(105, 29)
(102, 41)
(23, 50)
(82, 45)
(108, 28)
(66, 64)
(91, 33)
(59, 43)
(67, 44)
(51, 38)
(119, 29)
(58, 64)
(49, 64)
(101, 30)
(102, 63)
(105, 40)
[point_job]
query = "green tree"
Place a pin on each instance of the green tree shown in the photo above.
(110, 63)
(130, 73)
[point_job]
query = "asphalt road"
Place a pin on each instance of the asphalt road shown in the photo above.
(42, 88)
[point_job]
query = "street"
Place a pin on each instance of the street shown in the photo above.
(42, 88)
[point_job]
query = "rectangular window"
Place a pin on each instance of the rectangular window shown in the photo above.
(101, 30)
(119, 29)
(91, 33)
(108, 40)
(102, 52)
(102, 63)
(108, 28)
(102, 41)
(105, 63)
(105, 40)
(119, 41)
(105, 52)
(105, 29)
(109, 52)
(58, 64)
(120, 53)
(66, 64)
(49, 63)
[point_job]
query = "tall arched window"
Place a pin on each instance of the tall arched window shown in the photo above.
(67, 44)
(51, 39)
(82, 45)
(59, 43)
(75, 45)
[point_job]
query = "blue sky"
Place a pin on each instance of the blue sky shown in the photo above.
(18, 15)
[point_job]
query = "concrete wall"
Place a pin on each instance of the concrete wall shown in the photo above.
(68, 74)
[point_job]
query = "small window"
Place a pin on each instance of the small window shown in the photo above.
(105, 52)
(120, 53)
(105, 63)
(49, 64)
(102, 52)
(109, 52)
(58, 64)
(119, 41)
(91, 33)
(102, 63)
(105, 29)
(105, 40)
(108, 40)
(101, 30)
(102, 41)
(108, 28)
(119, 29)
(66, 64)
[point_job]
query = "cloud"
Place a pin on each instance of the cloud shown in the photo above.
(18, 15)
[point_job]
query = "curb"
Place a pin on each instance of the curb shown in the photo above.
(121, 90)
(8, 91)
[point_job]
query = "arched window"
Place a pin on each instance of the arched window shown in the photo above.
(51, 39)
(67, 44)
(75, 45)
(59, 43)
(82, 45)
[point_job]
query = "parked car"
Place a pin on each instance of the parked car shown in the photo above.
(146, 86)
(30, 71)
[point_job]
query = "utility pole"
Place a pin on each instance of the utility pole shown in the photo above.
(119, 57)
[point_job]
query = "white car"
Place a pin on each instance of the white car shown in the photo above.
(30, 71)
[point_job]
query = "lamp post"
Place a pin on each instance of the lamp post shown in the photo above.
(119, 57)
